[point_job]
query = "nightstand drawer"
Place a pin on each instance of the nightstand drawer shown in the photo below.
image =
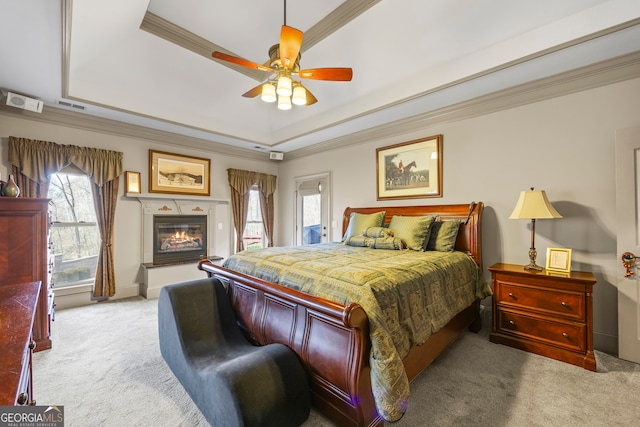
(569, 305)
(566, 335)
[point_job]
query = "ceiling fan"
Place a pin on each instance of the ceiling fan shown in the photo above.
(283, 64)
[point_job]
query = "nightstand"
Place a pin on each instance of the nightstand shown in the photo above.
(547, 313)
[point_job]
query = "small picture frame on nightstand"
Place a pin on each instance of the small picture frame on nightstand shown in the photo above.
(559, 259)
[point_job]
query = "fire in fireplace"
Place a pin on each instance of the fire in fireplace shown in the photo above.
(179, 238)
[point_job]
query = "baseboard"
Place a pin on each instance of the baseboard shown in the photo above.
(82, 295)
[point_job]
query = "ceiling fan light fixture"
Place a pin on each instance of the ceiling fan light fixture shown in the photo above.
(284, 62)
(284, 103)
(299, 95)
(284, 86)
(269, 92)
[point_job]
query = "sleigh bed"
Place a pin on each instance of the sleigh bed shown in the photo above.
(334, 340)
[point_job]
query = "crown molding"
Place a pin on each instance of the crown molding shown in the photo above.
(173, 33)
(340, 16)
(63, 117)
(618, 69)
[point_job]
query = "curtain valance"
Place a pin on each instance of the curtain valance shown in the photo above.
(242, 181)
(38, 160)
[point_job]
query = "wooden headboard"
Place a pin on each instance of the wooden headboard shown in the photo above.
(469, 237)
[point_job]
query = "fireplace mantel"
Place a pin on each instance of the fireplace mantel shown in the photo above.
(177, 197)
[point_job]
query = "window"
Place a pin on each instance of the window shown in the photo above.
(74, 231)
(311, 218)
(254, 236)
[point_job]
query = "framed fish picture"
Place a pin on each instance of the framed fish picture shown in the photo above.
(177, 174)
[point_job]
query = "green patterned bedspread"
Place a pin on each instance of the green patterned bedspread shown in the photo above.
(407, 296)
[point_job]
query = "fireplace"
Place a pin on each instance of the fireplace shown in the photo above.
(179, 238)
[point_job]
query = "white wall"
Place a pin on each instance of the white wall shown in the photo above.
(128, 226)
(564, 146)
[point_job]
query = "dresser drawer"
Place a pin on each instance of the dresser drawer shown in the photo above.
(549, 301)
(566, 335)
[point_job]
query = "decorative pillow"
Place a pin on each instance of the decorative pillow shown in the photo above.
(378, 232)
(358, 241)
(443, 236)
(393, 243)
(358, 223)
(413, 230)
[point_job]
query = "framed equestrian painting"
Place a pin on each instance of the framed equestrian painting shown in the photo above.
(178, 174)
(410, 170)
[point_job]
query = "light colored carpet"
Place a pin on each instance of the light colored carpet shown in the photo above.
(106, 369)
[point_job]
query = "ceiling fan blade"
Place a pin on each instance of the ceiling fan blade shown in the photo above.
(240, 61)
(290, 42)
(335, 74)
(252, 93)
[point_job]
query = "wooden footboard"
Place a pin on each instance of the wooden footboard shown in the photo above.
(332, 341)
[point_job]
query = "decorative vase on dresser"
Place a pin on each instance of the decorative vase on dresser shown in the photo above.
(547, 313)
(24, 256)
(9, 188)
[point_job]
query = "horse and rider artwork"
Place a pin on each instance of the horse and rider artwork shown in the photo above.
(404, 175)
(410, 169)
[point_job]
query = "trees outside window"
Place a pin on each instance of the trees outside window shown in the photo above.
(74, 231)
(254, 236)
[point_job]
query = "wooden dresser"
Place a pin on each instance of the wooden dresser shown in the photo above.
(24, 256)
(17, 312)
(547, 313)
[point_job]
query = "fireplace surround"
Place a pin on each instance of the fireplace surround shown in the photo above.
(212, 216)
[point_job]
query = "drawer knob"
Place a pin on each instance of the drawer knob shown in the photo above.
(23, 398)
(566, 335)
(512, 295)
(32, 344)
(512, 323)
(564, 304)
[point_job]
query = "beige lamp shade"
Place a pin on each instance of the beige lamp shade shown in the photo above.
(533, 204)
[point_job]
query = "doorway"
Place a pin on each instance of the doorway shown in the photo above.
(312, 209)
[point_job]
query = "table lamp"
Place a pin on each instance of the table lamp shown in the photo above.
(533, 204)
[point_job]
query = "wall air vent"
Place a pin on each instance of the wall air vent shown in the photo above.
(71, 105)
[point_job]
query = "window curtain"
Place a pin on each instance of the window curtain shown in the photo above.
(33, 162)
(241, 182)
